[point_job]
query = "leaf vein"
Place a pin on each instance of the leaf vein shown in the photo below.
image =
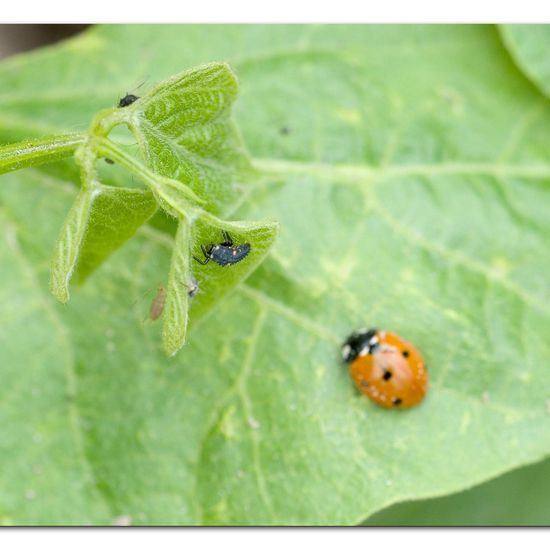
(455, 257)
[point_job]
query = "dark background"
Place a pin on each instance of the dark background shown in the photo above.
(19, 38)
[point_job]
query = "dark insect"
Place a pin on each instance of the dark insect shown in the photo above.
(225, 253)
(128, 99)
(109, 161)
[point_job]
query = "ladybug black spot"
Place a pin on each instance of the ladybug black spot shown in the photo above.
(387, 375)
(396, 401)
(405, 353)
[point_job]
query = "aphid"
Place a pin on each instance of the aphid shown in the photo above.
(128, 99)
(192, 287)
(109, 161)
(387, 369)
(225, 253)
(157, 305)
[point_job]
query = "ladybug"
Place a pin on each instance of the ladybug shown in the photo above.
(225, 253)
(387, 369)
(128, 99)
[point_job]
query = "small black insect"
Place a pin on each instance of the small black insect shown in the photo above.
(225, 253)
(128, 99)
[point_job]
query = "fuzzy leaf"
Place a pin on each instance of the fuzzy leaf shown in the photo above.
(116, 215)
(180, 282)
(190, 142)
(69, 242)
(185, 132)
(38, 151)
(99, 222)
(214, 281)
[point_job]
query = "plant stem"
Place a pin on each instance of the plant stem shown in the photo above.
(107, 148)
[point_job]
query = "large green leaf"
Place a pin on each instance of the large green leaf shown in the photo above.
(521, 497)
(528, 45)
(411, 186)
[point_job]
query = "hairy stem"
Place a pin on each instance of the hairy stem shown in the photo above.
(105, 147)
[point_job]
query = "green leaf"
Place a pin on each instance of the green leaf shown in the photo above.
(116, 214)
(177, 294)
(67, 248)
(100, 221)
(184, 131)
(38, 151)
(521, 497)
(214, 282)
(528, 45)
(410, 182)
(42, 444)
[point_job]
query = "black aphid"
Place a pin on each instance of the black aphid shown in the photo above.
(128, 99)
(225, 253)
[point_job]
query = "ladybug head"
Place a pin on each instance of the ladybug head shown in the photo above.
(358, 343)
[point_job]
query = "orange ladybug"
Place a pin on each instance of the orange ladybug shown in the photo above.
(387, 369)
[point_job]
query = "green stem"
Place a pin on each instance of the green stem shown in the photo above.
(25, 154)
(106, 120)
(85, 157)
(107, 148)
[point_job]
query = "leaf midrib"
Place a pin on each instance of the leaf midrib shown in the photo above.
(355, 174)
